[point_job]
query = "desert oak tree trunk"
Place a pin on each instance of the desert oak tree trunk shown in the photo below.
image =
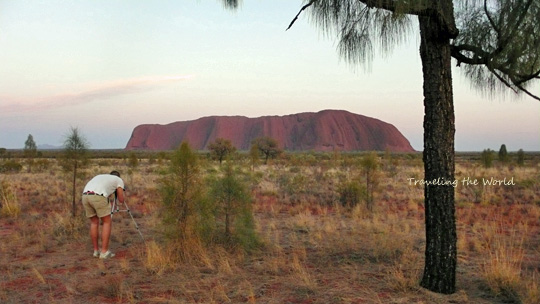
(438, 156)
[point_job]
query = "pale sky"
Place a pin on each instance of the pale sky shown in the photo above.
(108, 66)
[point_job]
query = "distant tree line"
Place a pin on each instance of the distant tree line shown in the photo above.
(487, 157)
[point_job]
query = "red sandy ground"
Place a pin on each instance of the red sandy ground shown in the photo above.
(67, 273)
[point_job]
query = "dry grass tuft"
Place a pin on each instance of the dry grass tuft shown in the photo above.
(8, 201)
(302, 274)
(503, 270)
(39, 276)
(532, 290)
(113, 287)
(66, 227)
(157, 259)
(404, 275)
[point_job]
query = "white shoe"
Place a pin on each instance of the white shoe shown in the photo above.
(106, 255)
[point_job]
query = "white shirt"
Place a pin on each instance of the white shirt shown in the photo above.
(104, 184)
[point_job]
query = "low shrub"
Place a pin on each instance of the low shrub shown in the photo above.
(351, 193)
(10, 166)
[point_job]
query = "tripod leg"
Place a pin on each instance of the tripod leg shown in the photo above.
(113, 206)
(134, 222)
(133, 219)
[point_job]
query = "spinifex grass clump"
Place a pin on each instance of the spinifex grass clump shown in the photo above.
(9, 205)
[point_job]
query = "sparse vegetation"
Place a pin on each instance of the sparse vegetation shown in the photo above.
(310, 247)
(370, 166)
(30, 151)
(9, 205)
(520, 157)
(267, 147)
(133, 161)
(253, 156)
(182, 195)
(10, 166)
(75, 157)
(221, 148)
(503, 154)
(350, 193)
(231, 204)
(181, 190)
(487, 157)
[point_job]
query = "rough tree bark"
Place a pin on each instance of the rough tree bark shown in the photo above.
(438, 156)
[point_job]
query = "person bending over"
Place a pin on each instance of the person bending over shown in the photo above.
(95, 200)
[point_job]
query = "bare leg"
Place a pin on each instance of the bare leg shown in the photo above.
(94, 231)
(105, 233)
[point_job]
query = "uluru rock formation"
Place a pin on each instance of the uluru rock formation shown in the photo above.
(327, 130)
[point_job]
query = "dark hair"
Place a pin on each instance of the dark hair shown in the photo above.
(116, 173)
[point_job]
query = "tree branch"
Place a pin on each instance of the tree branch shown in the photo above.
(506, 83)
(535, 75)
(491, 21)
(480, 56)
(516, 84)
(527, 92)
(388, 5)
(300, 12)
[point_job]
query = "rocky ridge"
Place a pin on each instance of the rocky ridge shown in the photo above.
(327, 130)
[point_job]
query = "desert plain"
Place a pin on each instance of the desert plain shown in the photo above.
(314, 246)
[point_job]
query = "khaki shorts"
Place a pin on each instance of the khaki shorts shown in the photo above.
(96, 205)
